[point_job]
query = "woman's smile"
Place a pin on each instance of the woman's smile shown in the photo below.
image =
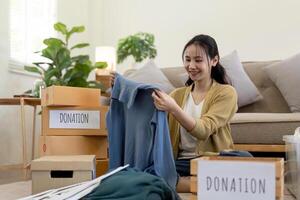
(194, 73)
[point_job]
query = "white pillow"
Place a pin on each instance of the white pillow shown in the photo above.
(286, 76)
(151, 74)
(245, 88)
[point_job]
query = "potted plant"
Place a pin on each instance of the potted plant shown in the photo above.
(140, 46)
(61, 68)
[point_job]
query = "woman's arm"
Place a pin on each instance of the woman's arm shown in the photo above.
(219, 114)
(223, 108)
(163, 101)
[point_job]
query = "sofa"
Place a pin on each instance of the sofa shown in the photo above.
(260, 126)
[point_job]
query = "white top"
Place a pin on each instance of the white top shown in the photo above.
(188, 142)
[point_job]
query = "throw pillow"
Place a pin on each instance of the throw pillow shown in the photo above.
(151, 74)
(245, 88)
(286, 77)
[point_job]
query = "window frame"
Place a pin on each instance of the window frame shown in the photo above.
(14, 65)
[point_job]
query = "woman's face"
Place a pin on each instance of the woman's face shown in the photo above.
(197, 64)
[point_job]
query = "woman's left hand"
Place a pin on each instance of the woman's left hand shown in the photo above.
(163, 101)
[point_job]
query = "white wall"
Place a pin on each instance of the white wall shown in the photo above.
(259, 30)
(70, 12)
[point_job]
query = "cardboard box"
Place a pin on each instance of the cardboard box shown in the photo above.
(74, 120)
(278, 163)
(105, 79)
(70, 96)
(101, 167)
(292, 178)
(74, 145)
(51, 172)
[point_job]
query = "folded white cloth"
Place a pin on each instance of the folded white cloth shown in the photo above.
(297, 132)
(72, 192)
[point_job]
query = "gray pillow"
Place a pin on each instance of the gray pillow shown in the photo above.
(245, 88)
(286, 77)
(151, 74)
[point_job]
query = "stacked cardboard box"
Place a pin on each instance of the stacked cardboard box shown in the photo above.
(277, 162)
(49, 172)
(73, 123)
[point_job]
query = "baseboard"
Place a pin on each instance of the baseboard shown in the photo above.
(15, 166)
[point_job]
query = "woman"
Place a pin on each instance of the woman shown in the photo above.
(199, 113)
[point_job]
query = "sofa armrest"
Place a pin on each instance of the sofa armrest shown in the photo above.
(264, 117)
(263, 128)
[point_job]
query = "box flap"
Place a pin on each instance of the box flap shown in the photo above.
(76, 162)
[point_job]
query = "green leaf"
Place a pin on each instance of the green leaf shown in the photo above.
(79, 82)
(41, 63)
(84, 69)
(32, 69)
(28, 92)
(100, 65)
(67, 76)
(49, 74)
(63, 59)
(80, 58)
(38, 65)
(75, 29)
(53, 42)
(62, 69)
(95, 84)
(50, 52)
(60, 27)
(81, 45)
(140, 46)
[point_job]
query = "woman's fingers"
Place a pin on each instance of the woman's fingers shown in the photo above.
(155, 96)
(157, 101)
(159, 93)
(113, 75)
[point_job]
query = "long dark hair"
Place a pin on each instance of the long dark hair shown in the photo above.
(210, 47)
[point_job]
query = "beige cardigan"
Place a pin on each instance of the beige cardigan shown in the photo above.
(213, 129)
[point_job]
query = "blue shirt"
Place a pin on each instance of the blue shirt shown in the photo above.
(138, 133)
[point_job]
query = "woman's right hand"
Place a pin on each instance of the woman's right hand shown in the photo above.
(163, 101)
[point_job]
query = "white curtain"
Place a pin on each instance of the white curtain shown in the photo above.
(31, 21)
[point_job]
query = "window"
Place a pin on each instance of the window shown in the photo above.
(31, 21)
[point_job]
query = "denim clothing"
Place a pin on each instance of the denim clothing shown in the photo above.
(236, 153)
(183, 166)
(138, 133)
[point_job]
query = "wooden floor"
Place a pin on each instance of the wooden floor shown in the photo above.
(16, 175)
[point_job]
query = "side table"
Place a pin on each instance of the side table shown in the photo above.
(22, 102)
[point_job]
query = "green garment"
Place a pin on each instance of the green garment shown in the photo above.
(131, 184)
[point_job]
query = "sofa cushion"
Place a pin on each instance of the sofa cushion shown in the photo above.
(151, 74)
(176, 75)
(263, 128)
(246, 90)
(286, 76)
(273, 101)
